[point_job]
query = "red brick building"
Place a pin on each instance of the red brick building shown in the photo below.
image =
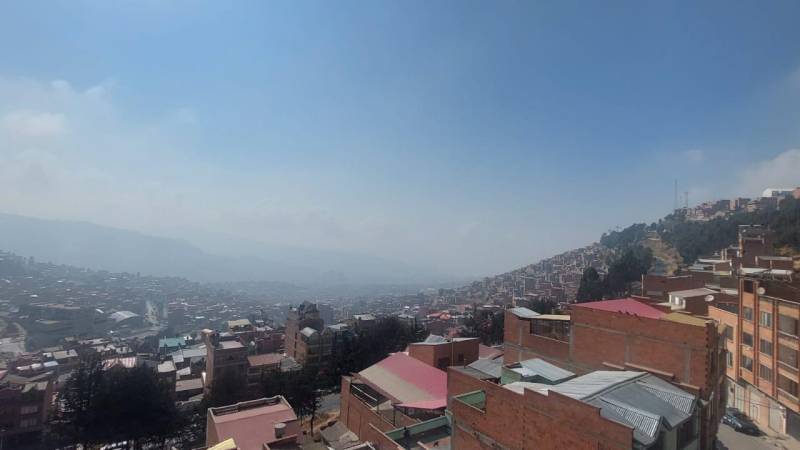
(628, 334)
(600, 410)
(439, 352)
(397, 391)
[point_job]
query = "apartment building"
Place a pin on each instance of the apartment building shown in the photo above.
(765, 355)
(25, 404)
(226, 358)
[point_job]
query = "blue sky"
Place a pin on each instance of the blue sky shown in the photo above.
(468, 137)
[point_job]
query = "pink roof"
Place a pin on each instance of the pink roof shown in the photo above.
(427, 404)
(406, 379)
(486, 352)
(252, 428)
(625, 306)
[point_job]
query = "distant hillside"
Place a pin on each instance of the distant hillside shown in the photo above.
(103, 248)
(692, 239)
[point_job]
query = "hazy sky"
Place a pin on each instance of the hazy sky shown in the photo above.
(469, 137)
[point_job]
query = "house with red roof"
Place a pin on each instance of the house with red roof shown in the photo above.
(395, 392)
(253, 425)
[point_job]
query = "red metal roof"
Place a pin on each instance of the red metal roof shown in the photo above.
(625, 306)
(406, 379)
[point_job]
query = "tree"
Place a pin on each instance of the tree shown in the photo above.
(118, 404)
(592, 286)
(135, 405)
(77, 402)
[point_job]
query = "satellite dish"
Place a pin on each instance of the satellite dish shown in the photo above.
(761, 291)
(709, 298)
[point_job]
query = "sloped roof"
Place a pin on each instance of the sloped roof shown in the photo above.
(407, 380)
(639, 400)
(524, 313)
(119, 316)
(486, 352)
(546, 370)
(624, 305)
(488, 366)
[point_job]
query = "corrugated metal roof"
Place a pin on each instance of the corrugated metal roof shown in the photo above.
(546, 370)
(524, 313)
(434, 339)
(637, 399)
(491, 367)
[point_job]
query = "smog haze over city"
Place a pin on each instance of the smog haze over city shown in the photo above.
(378, 142)
(399, 225)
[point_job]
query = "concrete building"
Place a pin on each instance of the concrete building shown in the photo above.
(25, 404)
(226, 358)
(253, 425)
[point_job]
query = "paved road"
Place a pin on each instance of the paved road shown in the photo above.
(728, 439)
(329, 403)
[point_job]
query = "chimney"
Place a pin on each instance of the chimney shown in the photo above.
(280, 430)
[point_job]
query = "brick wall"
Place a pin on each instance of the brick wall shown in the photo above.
(531, 420)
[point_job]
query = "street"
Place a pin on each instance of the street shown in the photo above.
(728, 439)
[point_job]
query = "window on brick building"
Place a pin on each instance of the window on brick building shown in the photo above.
(729, 333)
(787, 385)
(747, 363)
(747, 313)
(29, 422)
(787, 356)
(729, 359)
(765, 347)
(29, 409)
(747, 339)
(787, 324)
(765, 372)
(766, 319)
(748, 286)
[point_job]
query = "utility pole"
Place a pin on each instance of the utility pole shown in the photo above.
(675, 202)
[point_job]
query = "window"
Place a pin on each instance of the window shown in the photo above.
(748, 286)
(764, 372)
(729, 359)
(765, 347)
(31, 422)
(729, 333)
(766, 319)
(787, 324)
(29, 409)
(787, 385)
(747, 313)
(787, 355)
(747, 363)
(747, 339)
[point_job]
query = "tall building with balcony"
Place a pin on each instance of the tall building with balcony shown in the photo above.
(766, 357)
